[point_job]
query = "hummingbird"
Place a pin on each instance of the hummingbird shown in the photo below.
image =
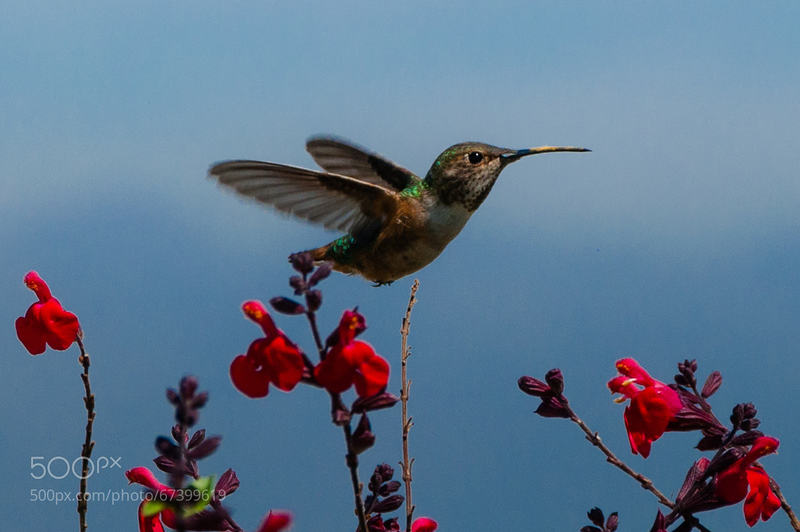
(395, 222)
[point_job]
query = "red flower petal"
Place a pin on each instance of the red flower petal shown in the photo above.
(149, 524)
(630, 368)
(351, 325)
(424, 524)
(145, 477)
(285, 364)
(760, 502)
(372, 376)
(275, 522)
(334, 373)
(37, 284)
(251, 380)
(62, 327)
(31, 333)
(647, 416)
(256, 311)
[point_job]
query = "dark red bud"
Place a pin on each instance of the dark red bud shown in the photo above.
(197, 437)
(166, 448)
(389, 487)
(660, 524)
(375, 524)
(533, 386)
(167, 465)
(302, 262)
(200, 400)
(188, 386)
(553, 407)
(389, 504)
(613, 522)
(314, 300)
(695, 473)
(556, 380)
(285, 305)
(299, 285)
(362, 438)
(713, 382)
(172, 396)
(375, 402)
(747, 438)
(228, 483)
(323, 271)
(205, 448)
(596, 516)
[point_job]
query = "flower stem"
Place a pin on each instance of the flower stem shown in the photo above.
(594, 439)
(351, 458)
(88, 444)
(785, 504)
(405, 352)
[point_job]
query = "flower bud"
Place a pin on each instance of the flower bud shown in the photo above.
(374, 402)
(713, 382)
(363, 437)
(389, 504)
(167, 448)
(302, 262)
(188, 386)
(314, 300)
(533, 386)
(299, 285)
(323, 271)
(205, 448)
(556, 380)
(197, 437)
(172, 396)
(389, 487)
(228, 483)
(596, 516)
(285, 305)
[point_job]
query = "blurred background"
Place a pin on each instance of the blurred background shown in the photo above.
(677, 237)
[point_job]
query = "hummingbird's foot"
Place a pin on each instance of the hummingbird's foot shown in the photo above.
(382, 283)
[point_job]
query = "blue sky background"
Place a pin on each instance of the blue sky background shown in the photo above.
(676, 237)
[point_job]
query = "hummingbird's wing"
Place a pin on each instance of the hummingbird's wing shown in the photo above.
(334, 201)
(340, 157)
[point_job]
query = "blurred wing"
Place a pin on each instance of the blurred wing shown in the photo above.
(342, 158)
(334, 201)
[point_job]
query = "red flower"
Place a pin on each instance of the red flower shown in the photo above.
(273, 358)
(352, 361)
(46, 322)
(733, 484)
(152, 523)
(424, 524)
(149, 523)
(275, 522)
(145, 477)
(653, 404)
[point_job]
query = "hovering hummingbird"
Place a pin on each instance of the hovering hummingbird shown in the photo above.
(396, 223)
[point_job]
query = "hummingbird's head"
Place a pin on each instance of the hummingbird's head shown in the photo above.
(466, 172)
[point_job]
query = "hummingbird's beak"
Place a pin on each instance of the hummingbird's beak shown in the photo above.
(516, 155)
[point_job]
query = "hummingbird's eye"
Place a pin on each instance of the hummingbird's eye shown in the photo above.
(475, 157)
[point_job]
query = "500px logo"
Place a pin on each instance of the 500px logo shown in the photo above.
(59, 467)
